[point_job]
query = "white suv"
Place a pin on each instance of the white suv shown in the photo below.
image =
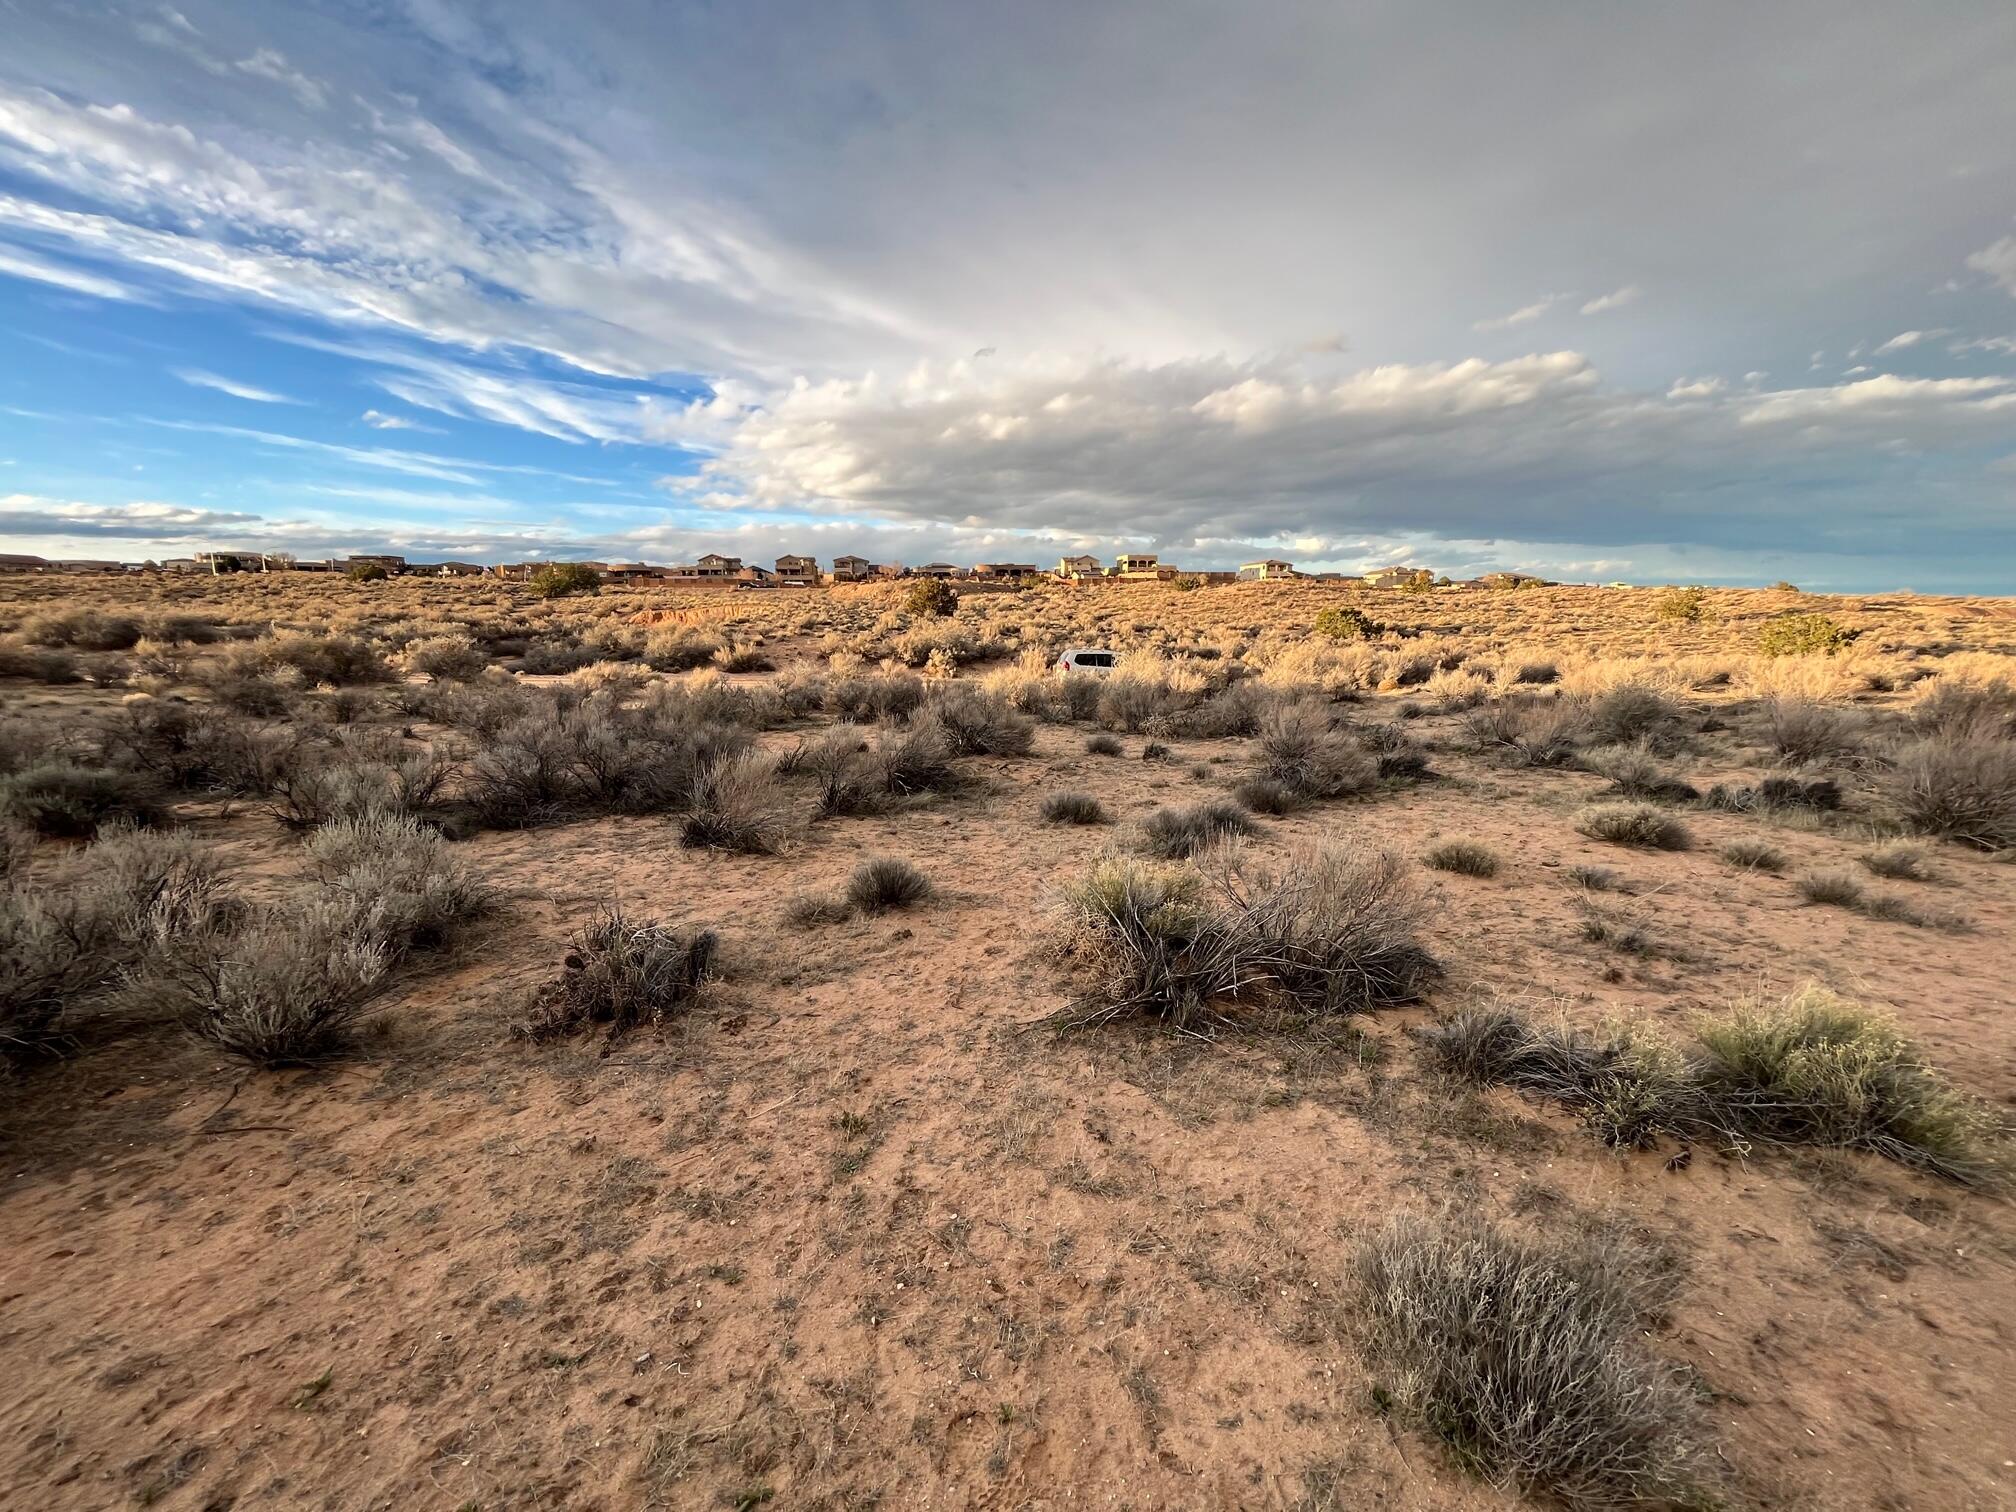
(1085, 660)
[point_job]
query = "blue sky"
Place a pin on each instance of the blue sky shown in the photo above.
(1704, 293)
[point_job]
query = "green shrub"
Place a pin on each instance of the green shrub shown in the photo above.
(1344, 622)
(1528, 1360)
(366, 572)
(1689, 605)
(932, 597)
(1802, 635)
(563, 579)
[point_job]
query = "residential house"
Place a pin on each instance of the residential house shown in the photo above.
(87, 566)
(1269, 570)
(1397, 577)
(1135, 563)
(888, 570)
(712, 565)
(1004, 570)
(629, 572)
(1079, 566)
(11, 562)
(852, 569)
(938, 570)
(797, 572)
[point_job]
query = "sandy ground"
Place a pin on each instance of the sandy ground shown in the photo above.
(857, 1236)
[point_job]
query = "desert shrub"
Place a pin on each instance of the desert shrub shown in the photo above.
(1265, 795)
(1962, 708)
(1075, 696)
(318, 660)
(1632, 713)
(1345, 623)
(743, 658)
(1176, 834)
(1688, 605)
(679, 649)
(251, 693)
(287, 989)
(882, 883)
(81, 630)
(397, 882)
(445, 658)
(1780, 793)
(1753, 855)
(1899, 860)
(1155, 750)
(1634, 824)
(1326, 929)
(43, 664)
(1628, 1084)
(1299, 748)
(624, 975)
(808, 909)
(910, 762)
(1072, 808)
(1528, 732)
(304, 788)
(563, 579)
(1955, 787)
(1593, 878)
(1235, 711)
(889, 698)
(735, 807)
(1802, 635)
(1804, 733)
(1104, 745)
(1154, 946)
(1535, 673)
(550, 656)
(367, 572)
(1465, 857)
(978, 723)
(1836, 886)
(58, 798)
(1528, 1361)
(1635, 773)
(1816, 1069)
(931, 596)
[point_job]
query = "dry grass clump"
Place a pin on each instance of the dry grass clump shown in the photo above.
(1963, 708)
(809, 909)
(1325, 931)
(1104, 745)
(1802, 732)
(1956, 787)
(624, 975)
(1810, 1069)
(1528, 1360)
(1072, 808)
(978, 723)
(1831, 885)
(1840, 888)
(855, 777)
(1176, 834)
(1466, 858)
(1266, 795)
(1899, 860)
(1753, 855)
(883, 883)
(81, 630)
(1633, 714)
(1300, 749)
(1528, 732)
(1635, 773)
(736, 808)
(1637, 824)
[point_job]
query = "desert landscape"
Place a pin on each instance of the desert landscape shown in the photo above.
(472, 1049)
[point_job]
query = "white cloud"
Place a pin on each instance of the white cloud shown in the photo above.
(379, 420)
(269, 64)
(22, 264)
(1905, 340)
(198, 378)
(1998, 261)
(1612, 301)
(1524, 315)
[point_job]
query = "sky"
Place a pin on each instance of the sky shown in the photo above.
(1715, 292)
